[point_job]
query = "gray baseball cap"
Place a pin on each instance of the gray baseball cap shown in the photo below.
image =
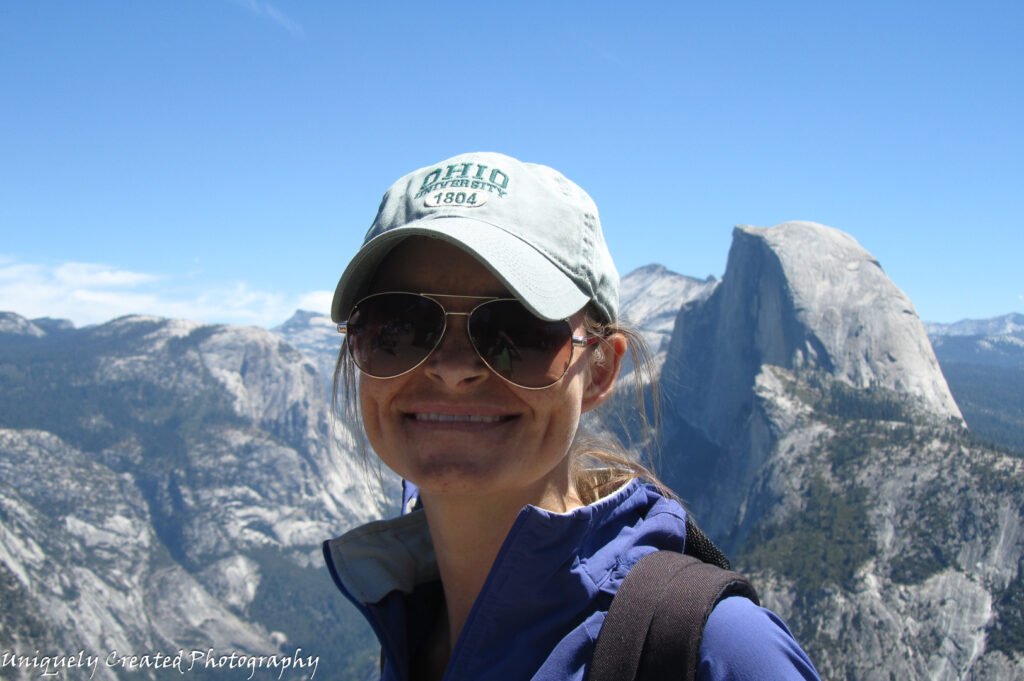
(535, 230)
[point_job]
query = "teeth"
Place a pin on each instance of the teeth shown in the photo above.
(457, 418)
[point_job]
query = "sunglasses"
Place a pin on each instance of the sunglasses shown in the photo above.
(390, 334)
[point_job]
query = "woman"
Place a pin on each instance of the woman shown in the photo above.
(481, 315)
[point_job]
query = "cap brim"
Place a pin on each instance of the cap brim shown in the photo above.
(542, 286)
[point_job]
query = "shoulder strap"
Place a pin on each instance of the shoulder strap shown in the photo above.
(656, 621)
(703, 549)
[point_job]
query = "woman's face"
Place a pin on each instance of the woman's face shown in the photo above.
(452, 426)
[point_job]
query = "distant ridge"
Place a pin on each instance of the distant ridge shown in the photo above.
(165, 483)
(1008, 324)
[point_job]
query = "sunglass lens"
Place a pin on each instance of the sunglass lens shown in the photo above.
(516, 344)
(391, 333)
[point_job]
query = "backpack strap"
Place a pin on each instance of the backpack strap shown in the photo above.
(656, 621)
(702, 548)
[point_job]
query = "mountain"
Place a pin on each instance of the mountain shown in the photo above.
(798, 296)
(315, 336)
(997, 342)
(14, 325)
(1007, 325)
(811, 431)
(650, 298)
(166, 484)
(983, 360)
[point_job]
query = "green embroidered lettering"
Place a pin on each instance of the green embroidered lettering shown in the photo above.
(451, 170)
(494, 178)
(432, 177)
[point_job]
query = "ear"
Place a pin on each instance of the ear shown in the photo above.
(605, 360)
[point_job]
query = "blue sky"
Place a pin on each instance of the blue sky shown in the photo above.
(221, 159)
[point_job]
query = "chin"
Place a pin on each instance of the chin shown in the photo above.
(452, 474)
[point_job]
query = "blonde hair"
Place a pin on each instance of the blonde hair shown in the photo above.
(599, 461)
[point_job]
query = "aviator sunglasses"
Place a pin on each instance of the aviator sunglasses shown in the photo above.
(390, 334)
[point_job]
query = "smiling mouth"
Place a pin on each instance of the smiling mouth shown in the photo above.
(458, 418)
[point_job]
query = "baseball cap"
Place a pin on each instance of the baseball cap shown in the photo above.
(535, 230)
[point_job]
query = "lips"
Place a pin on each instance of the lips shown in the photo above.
(458, 418)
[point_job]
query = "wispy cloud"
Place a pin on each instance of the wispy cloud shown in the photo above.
(315, 301)
(91, 293)
(91, 274)
(269, 11)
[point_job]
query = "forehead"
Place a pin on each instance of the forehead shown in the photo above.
(425, 265)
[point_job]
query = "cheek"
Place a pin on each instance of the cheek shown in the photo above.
(561, 412)
(371, 396)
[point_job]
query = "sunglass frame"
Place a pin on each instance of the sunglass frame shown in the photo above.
(574, 340)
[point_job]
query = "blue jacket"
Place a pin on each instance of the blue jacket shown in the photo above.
(547, 594)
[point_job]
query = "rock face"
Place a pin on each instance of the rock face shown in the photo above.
(315, 336)
(800, 295)
(80, 558)
(650, 298)
(890, 544)
(811, 432)
(796, 296)
(166, 485)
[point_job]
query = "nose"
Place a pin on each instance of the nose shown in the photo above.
(454, 362)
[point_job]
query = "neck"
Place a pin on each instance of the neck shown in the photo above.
(467, 533)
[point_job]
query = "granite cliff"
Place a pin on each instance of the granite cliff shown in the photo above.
(811, 431)
(166, 485)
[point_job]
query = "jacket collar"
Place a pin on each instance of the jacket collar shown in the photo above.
(552, 573)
